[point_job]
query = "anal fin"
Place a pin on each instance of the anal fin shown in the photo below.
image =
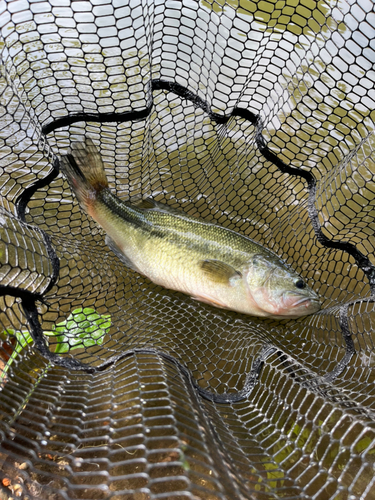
(209, 300)
(119, 254)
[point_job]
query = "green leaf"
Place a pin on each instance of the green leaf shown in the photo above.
(23, 338)
(83, 328)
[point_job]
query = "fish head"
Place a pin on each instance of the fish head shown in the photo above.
(277, 291)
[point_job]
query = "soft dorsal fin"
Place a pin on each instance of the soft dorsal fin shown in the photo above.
(156, 206)
(145, 204)
(150, 204)
(219, 271)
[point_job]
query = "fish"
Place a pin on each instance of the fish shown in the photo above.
(206, 261)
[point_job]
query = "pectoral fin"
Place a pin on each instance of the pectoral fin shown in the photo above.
(119, 253)
(219, 272)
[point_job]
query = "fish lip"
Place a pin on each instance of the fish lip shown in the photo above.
(304, 299)
(314, 299)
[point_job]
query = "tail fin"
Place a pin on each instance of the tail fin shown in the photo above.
(84, 169)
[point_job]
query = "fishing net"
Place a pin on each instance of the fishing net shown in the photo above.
(255, 115)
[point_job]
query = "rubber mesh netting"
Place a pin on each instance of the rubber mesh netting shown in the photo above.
(257, 115)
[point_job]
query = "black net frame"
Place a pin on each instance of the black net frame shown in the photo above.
(254, 115)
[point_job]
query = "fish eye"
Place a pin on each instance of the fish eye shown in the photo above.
(300, 284)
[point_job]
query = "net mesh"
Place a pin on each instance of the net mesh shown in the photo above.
(255, 115)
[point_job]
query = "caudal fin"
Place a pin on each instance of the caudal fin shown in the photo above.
(84, 169)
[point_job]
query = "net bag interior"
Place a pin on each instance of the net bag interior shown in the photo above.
(255, 115)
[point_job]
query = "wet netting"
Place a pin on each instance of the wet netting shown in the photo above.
(253, 115)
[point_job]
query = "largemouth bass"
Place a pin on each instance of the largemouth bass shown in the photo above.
(180, 252)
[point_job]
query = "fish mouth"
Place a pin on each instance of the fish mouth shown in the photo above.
(309, 302)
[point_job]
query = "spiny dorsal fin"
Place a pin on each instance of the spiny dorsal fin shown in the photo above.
(219, 271)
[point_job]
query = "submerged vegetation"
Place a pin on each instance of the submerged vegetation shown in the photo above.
(84, 327)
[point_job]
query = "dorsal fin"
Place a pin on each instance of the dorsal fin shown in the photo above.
(150, 204)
